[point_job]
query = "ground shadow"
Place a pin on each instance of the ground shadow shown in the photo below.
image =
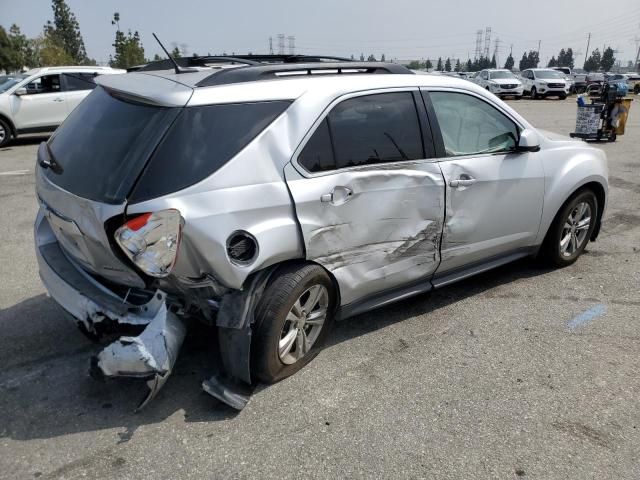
(46, 392)
(25, 140)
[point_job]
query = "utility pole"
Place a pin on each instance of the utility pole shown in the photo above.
(586, 54)
(270, 45)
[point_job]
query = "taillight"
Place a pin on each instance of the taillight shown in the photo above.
(151, 241)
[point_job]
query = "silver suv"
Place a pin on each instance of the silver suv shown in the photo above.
(270, 200)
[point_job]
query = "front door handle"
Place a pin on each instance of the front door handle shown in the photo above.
(338, 196)
(58, 99)
(463, 180)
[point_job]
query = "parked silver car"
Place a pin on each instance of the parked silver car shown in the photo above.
(269, 201)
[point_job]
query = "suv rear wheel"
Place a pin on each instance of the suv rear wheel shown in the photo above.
(293, 319)
(571, 230)
(5, 133)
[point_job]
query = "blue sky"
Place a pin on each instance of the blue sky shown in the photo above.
(402, 29)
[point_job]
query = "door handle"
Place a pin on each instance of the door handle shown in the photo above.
(58, 99)
(463, 181)
(338, 196)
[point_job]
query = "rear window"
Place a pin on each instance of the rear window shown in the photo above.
(201, 141)
(103, 145)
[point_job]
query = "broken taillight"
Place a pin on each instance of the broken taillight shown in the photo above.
(151, 241)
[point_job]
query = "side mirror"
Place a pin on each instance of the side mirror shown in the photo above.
(21, 91)
(529, 141)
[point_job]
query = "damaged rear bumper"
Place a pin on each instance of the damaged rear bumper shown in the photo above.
(150, 355)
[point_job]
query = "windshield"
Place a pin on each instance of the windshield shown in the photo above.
(549, 74)
(493, 75)
(8, 81)
(103, 145)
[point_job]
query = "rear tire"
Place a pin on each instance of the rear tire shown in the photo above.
(5, 133)
(571, 230)
(283, 342)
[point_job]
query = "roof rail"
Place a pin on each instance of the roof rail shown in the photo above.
(202, 61)
(270, 71)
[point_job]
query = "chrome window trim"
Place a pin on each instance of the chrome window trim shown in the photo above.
(360, 93)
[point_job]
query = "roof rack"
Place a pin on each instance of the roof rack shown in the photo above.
(203, 61)
(270, 71)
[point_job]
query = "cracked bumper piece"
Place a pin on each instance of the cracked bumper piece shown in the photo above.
(152, 354)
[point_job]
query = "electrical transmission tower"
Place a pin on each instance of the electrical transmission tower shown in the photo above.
(280, 37)
(270, 45)
(478, 52)
(292, 44)
(487, 41)
(496, 51)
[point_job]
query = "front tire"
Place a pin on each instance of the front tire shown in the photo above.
(534, 94)
(571, 230)
(293, 319)
(5, 133)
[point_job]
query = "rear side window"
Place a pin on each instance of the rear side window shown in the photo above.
(370, 129)
(79, 81)
(201, 141)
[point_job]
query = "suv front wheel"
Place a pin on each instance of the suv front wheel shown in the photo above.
(571, 230)
(293, 319)
(5, 133)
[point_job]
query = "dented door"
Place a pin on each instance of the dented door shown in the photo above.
(382, 232)
(494, 193)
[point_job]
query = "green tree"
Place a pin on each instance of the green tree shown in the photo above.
(383, 58)
(608, 59)
(428, 65)
(593, 62)
(128, 48)
(447, 65)
(565, 58)
(371, 58)
(493, 62)
(458, 67)
(157, 58)
(175, 53)
(415, 65)
(509, 63)
(553, 62)
(362, 57)
(469, 66)
(439, 66)
(64, 31)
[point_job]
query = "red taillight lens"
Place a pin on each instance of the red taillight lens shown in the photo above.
(151, 241)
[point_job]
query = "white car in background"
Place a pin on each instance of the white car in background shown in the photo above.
(39, 100)
(545, 82)
(501, 82)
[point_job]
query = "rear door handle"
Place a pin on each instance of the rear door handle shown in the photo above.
(338, 196)
(463, 181)
(58, 99)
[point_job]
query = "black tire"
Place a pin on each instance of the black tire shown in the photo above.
(550, 252)
(534, 94)
(5, 133)
(636, 89)
(284, 289)
(563, 97)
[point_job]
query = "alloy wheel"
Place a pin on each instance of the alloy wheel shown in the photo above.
(3, 133)
(303, 324)
(575, 229)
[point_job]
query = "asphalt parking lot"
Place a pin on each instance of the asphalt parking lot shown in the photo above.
(522, 372)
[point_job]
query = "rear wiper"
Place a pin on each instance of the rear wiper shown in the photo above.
(50, 161)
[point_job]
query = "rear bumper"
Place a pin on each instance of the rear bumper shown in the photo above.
(150, 355)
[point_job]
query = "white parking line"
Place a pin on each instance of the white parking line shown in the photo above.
(16, 172)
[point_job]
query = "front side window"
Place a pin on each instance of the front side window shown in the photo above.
(44, 84)
(471, 126)
(364, 130)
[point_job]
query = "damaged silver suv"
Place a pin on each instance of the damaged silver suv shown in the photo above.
(269, 200)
